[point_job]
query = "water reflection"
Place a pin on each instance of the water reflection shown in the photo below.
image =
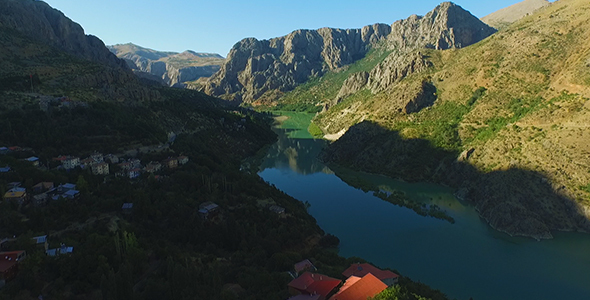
(297, 155)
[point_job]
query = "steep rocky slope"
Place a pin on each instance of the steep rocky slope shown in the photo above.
(262, 71)
(171, 68)
(41, 22)
(506, 16)
(509, 126)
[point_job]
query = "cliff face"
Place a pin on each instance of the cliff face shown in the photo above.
(45, 24)
(172, 68)
(263, 70)
(255, 68)
(447, 26)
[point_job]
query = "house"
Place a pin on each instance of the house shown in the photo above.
(313, 284)
(134, 173)
(33, 160)
(360, 288)
(208, 209)
(170, 162)
(71, 194)
(125, 166)
(277, 209)
(59, 251)
(100, 168)
(304, 265)
(4, 169)
(42, 187)
(87, 162)
(97, 157)
(17, 189)
(68, 162)
(127, 208)
(182, 160)
(62, 188)
(15, 149)
(9, 264)
(360, 270)
(111, 158)
(3, 150)
(41, 241)
(153, 167)
(18, 197)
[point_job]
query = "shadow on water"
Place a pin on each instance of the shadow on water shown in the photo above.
(515, 201)
(300, 155)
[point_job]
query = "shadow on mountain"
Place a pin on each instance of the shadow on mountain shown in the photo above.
(299, 155)
(516, 201)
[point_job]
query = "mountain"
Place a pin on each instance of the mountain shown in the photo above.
(504, 121)
(508, 15)
(172, 68)
(262, 71)
(41, 22)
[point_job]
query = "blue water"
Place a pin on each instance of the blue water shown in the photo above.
(465, 259)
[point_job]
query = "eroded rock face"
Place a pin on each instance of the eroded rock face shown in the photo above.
(353, 84)
(447, 26)
(395, 68)
(43, 23)
(255, 67)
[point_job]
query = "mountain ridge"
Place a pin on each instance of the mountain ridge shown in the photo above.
(170, 68)
(260, 72)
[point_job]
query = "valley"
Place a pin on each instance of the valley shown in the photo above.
(448, 150)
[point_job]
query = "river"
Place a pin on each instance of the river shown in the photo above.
(465, 259)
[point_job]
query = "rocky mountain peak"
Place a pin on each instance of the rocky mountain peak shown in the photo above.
(263, 70)
(447, 26)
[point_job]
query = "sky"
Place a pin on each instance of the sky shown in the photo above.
(215, 26)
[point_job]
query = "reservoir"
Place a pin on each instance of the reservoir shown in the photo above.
(465, 259)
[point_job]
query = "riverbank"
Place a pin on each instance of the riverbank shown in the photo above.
(515, 201)
(465, 259)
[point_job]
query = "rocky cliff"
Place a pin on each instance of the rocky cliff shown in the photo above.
(172, 68)
(45, 24)
(259, 69)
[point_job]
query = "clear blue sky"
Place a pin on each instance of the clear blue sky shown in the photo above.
(215, 26)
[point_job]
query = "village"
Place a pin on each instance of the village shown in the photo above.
(362, 281)
(43, 193)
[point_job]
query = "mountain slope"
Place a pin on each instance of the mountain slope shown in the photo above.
(39, 21)
(171, 67)
(508, 15)
(512, 110)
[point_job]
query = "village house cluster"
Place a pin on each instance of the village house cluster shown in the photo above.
(10, 260)
(363, 281)
(40, 193)
(132, 168)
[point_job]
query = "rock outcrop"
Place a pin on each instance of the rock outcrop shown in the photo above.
(254, 68)
(447, 26)
(172, 68)
(45, 24)
(263, 70)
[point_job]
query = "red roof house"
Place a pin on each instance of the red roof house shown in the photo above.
(360, 270)
(356, 288)
(9, 264)
(304, 265)
(313, 284)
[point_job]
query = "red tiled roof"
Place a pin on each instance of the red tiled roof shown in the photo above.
(366, 287)
(360, 270)
(310, 282)
(323, 288)
(6, 265)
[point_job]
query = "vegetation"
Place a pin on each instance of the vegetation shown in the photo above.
(399, 198)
